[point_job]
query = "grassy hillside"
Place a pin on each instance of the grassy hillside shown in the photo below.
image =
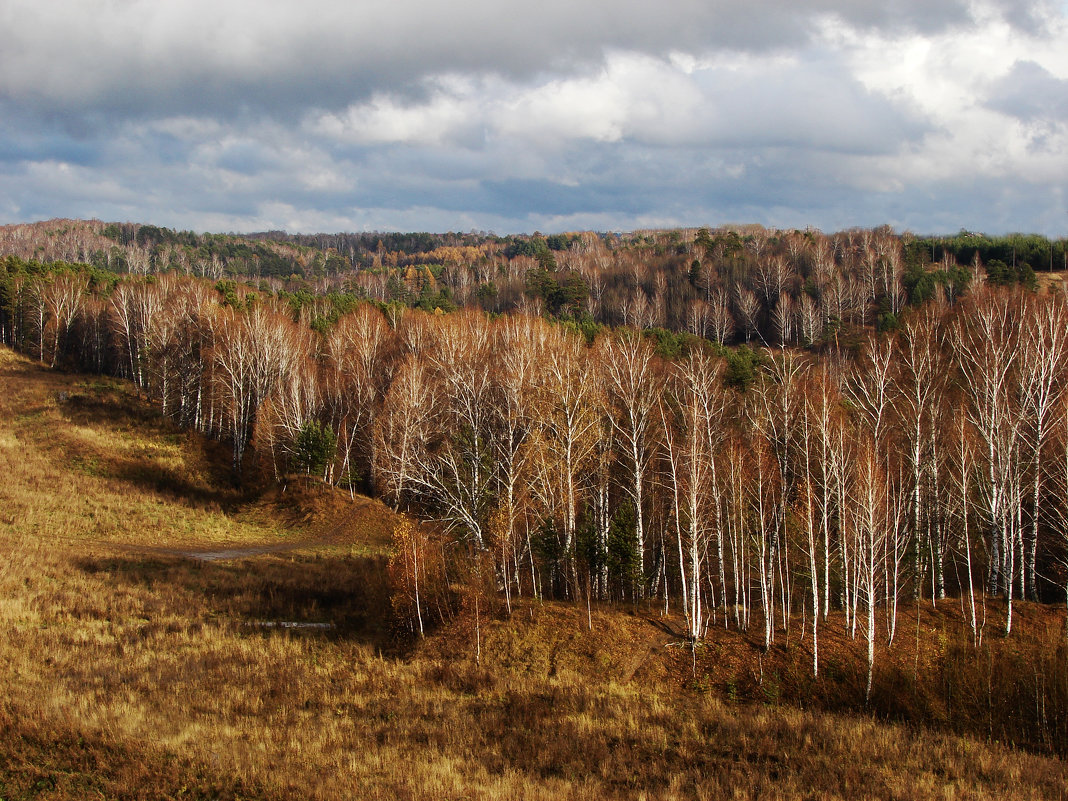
(130, 668)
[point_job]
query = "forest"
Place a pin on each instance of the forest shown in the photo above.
(760, 430)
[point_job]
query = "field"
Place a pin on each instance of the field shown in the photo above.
(142, 655)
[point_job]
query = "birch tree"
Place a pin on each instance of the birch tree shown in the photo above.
(569, 408)
(986, 343)
(455, 468)
(357, 352)
(632, 395)
(920, 386)
(869, 529)
(692, 440)
(1043, 360)
(402, 430)
(62, 295)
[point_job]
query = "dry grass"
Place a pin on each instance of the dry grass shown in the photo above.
(87, 461)
(1052, 280)
(127, 673)
(1008, 689)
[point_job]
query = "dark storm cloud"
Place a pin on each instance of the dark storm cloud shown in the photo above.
(160, 57)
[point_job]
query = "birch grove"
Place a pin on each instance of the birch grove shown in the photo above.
(927, 461)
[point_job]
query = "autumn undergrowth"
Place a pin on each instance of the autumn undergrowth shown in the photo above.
(128, 670)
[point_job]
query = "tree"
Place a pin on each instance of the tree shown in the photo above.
(870, 385)
(869, 528)
(632, 395)
(569, 409)
(358, 355)
(764, 502)
(693, 425)
(985, 337)
(748, 308)
(254, 351)
(402, 429)
(921, 383)
(126, 324)
(775, 416)
(314, 447)
(62, 296)
(456, 469)
(965, 466)
(1043, 359)
(518, 342)
(414, 572)
(805, 505)
(722, 321)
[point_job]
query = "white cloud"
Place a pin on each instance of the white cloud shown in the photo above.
(388, 120)
(506, 115)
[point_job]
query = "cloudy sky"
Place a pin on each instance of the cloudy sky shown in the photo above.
(243, 115)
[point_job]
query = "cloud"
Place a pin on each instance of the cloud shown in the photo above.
(784, 102)
(499, 115)
(137, 56)
(1029, 92)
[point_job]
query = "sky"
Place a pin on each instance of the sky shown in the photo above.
(493, 115)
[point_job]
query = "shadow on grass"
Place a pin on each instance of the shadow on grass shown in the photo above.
(215, 488)
(350, 593)
(148, 475)
(56, 759)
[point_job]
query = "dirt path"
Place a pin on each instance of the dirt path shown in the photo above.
(239, 553)
(217, 554)
(333, 536)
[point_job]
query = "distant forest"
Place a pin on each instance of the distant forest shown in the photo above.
(760, 426)
(731, 285)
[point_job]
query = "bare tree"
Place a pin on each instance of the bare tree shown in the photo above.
(869, 528)
(870, 385)
(722, 321)
(357, 361)
(748, 308)
(693, 439)
(456, 470)
(402, 429)
(253, 352)
(805, 504)
(632, 394)
(810, 320)
(783, 317)
(921, 383)
(569, 408)
(960, 508)
(699, 318)
(1057, 512)
(518, 341)
(824, 397)
(62, 295)
(1043, 359)
(986, 341)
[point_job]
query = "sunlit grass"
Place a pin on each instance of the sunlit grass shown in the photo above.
(82, 467)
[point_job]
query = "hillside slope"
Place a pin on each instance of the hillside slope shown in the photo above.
(129, 670)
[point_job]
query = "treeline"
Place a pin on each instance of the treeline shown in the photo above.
(747, 486)
(147, 249)
(731, 285)
(1015, 256)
